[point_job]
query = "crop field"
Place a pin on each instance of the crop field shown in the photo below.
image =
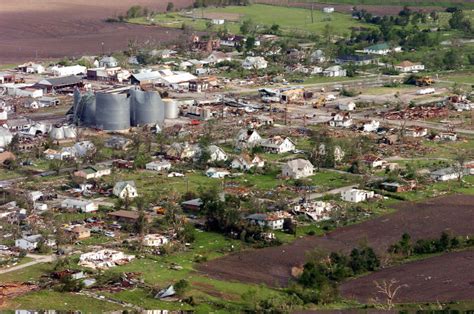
(444, 278)
(273, 265)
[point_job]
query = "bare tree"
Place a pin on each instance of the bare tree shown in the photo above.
(389, 289)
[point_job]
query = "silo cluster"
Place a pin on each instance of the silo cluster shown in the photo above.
(117, 112)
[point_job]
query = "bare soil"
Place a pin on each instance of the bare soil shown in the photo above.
(273, 265)
(45, 29)
(445, 278)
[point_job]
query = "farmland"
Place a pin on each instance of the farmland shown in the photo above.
(421, 220)
(32, 31)
(442, 278)
(289, 19)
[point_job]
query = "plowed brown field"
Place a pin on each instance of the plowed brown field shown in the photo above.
(43, 29)
(273, 265)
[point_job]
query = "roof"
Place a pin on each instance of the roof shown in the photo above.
(298, 163)
(382, 46)
(147, 76)
(355, 58)
(125, 214)
(122, 184)
(444, 171)
(194, 202)
(61, 81)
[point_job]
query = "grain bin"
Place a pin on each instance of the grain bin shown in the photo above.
(112, 112)
(146, 108)
(86, 110)
(171, 108)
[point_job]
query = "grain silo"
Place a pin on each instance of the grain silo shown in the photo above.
(86, 110)
(146, 108)
(112, 112)
(57, 133)
(171, 108)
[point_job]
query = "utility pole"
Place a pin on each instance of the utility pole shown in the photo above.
(312, 8)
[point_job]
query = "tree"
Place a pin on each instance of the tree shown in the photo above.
(170, 7)
(389, 289)
(248, 27)
(459, 21)
(181, 286)
(56, 165)
(141, 224)
(250, 43)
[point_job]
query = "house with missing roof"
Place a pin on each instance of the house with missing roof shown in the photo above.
(124, 189)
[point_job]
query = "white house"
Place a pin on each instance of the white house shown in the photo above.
(316, 211)
(356, 195)
(218, 21)
(85, 206)
(108, 62)
(68, 70)
(28, 243)
(335, 71)
(328, 10)
(374, 162)
(448, 136)
(216, 153)
(407, 66)
(93, 172)
(155, 240)
(217, 173)
(446, 174)
(416, 132)
(272, 221)
(217, 56)
(381, 49)
(347, 107)
(245, 162)
(371, 126)
(254, 63)
(54, 154)
(124, 189)
(278, 145)
(247, 139)
(341, 120)
(297, 168)
(104, 259)
(158, 165)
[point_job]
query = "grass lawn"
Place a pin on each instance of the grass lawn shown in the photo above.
(47, 300)
(31, 273)
(289, 19)
(467, 78)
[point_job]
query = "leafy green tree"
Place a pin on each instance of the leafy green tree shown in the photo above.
(248, 27)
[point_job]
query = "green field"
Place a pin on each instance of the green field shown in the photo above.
(290, 19)
(440, 3)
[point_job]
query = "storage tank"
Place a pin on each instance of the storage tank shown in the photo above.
(146, 108)
(57, 133)
(112, 112)
(87, 110)
(171, 108)
(69, 131)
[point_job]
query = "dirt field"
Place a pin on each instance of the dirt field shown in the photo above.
(273, 265)
(449, 277)
(58, 28)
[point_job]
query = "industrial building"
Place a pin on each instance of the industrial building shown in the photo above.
(116, 111)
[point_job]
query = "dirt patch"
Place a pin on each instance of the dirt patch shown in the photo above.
(347, 8)
(233, 17)
(212, 291)
(273, 265)
(56, 28)
(9, 291)
(449, 277)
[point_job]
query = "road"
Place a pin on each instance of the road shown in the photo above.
(37, 259)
